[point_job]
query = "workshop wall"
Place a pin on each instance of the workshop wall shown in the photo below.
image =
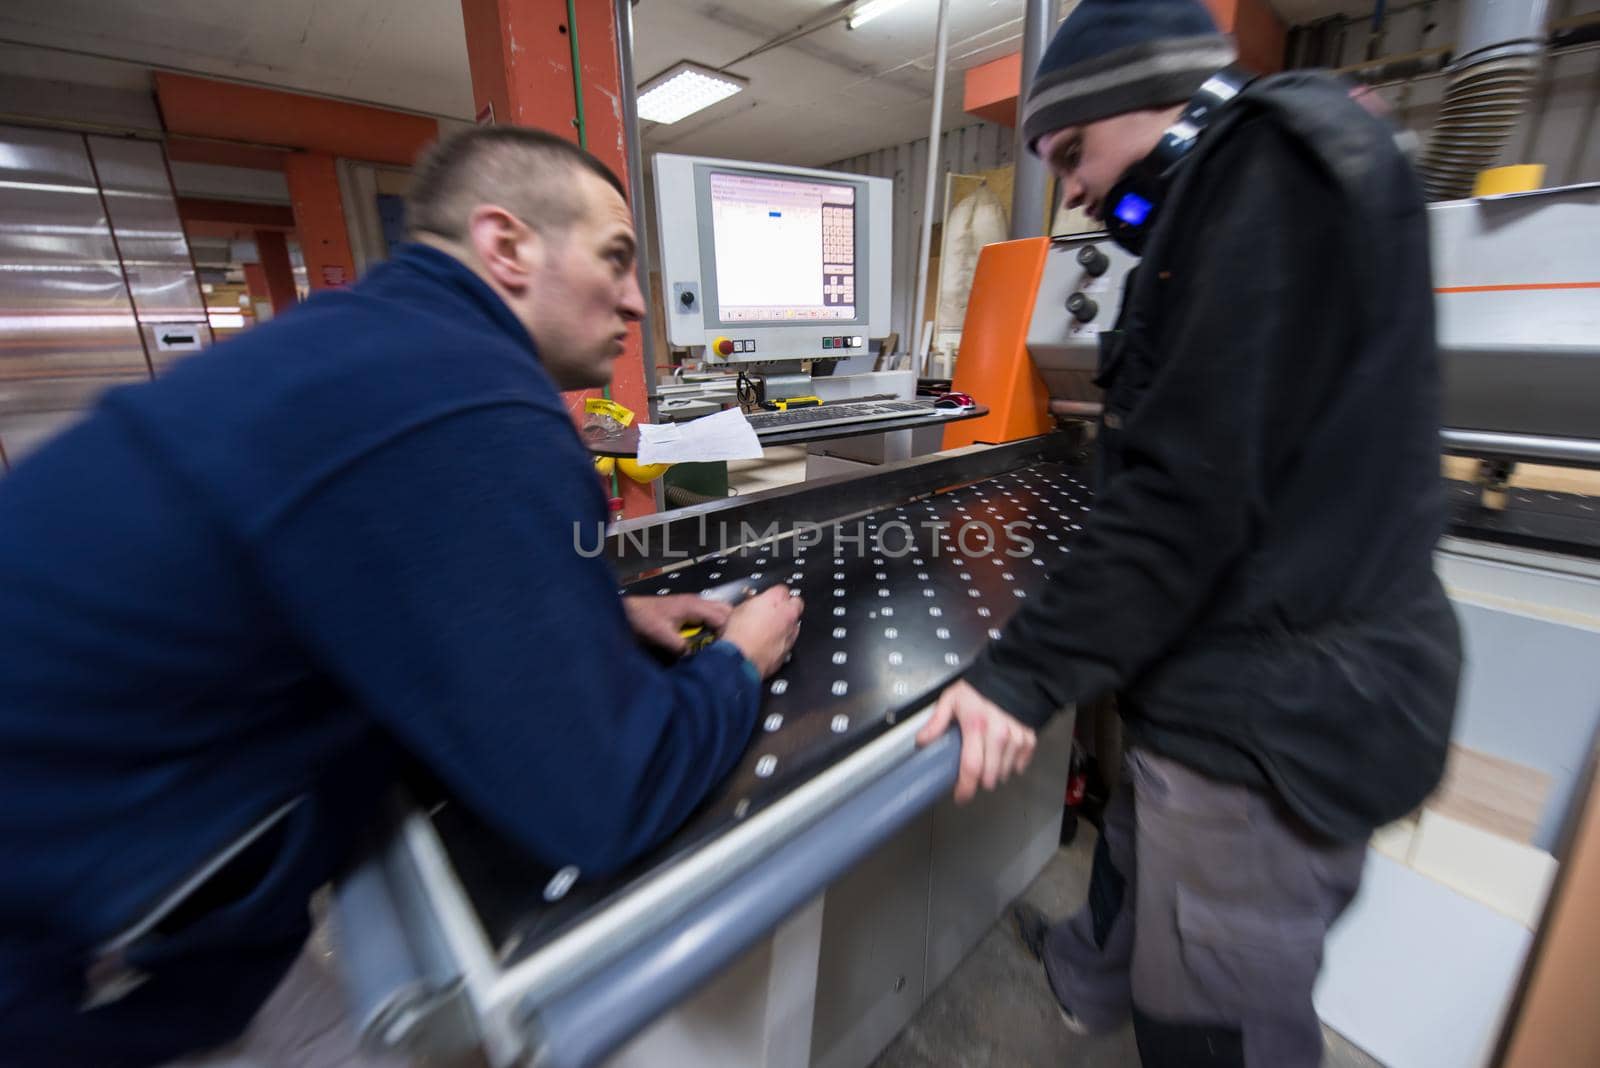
(982, 146)
(1559, 128)
(98, 289)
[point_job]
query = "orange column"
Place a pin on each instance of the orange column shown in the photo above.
(277, 273)
(1256, 29)
(319, 219)
(255, 284)
(520, 53)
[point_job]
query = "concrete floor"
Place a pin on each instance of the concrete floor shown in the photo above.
(996, 1010)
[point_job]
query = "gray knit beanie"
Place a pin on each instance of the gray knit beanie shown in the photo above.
(1113, 56)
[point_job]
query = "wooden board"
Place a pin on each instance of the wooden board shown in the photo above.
(1532, 476)
(657, 325)
(1491, 793)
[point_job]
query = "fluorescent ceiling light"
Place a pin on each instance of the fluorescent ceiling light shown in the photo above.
(685, 89)
(870, 10)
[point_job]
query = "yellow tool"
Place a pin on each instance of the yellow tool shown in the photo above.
(696, 635)
(792, 402)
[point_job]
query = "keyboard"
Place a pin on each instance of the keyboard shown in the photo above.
(823, 416)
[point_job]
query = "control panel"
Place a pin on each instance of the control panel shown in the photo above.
(1078, 299)
(741, 346)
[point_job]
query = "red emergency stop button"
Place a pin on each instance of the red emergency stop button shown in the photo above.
(722, 347)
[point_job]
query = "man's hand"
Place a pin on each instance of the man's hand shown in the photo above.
(657, 619)
(765, 627)
(993, 744)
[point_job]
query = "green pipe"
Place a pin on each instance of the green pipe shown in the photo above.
(577, 72)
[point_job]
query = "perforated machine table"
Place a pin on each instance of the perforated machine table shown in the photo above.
(451, 938)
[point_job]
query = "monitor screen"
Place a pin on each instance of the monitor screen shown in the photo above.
(785, 248)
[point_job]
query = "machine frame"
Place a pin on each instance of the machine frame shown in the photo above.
(422, 973)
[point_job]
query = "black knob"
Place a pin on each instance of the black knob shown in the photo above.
(1082, 307)
(686, 298)
(1093, 260)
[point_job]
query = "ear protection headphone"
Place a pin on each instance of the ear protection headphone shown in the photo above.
(1131, 207)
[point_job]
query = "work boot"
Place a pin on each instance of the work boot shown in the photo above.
(1033, 927)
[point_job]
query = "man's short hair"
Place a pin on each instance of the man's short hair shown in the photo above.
(526, 171)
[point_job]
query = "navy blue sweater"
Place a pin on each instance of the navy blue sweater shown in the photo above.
(349, 534)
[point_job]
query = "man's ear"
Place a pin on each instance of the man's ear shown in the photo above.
(504, 245)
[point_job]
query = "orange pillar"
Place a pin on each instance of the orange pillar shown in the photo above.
(277, 273)
(1256, 29)
(520, 52)
(255, 284)
(319, 219)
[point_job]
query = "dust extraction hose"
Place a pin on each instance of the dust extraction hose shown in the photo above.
(1488, 93)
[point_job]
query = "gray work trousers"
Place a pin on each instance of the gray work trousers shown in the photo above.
(1208, 904)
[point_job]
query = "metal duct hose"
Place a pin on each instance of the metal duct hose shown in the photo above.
(1481, 108)
(1488, 93)
(679, 497)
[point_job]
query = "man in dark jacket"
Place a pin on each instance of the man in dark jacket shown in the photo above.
(228, 598)
(1256, 577)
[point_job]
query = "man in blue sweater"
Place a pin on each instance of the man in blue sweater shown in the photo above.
(246, 590)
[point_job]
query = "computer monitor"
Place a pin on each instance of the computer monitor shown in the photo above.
(761, 262)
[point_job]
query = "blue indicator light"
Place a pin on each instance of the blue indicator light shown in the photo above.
(1132, 209)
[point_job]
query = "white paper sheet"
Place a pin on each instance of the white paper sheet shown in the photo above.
(727, 435)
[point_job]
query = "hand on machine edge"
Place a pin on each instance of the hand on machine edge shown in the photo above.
(765, 627)
(993, 744)
(660, 620)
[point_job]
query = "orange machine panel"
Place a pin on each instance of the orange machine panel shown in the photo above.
(994, 365)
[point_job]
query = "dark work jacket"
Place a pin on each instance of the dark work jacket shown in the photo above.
(362, 530)
(1256, 576)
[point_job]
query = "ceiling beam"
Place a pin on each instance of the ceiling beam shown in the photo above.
(225, 153)
(205, 108)
(235, 213)
(990, 89)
